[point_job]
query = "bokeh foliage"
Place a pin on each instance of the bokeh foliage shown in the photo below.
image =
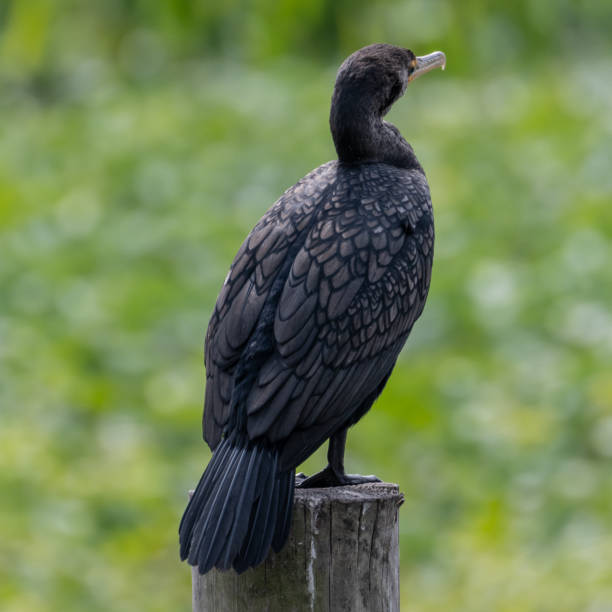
(141, 141)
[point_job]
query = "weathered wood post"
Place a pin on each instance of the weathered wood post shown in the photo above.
(342, 555)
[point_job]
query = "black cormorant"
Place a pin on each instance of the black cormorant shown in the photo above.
(311, 318)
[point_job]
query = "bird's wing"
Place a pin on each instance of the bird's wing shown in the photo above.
(351, 297)
(248, 284)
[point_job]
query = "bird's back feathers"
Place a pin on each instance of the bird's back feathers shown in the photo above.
(330, 282)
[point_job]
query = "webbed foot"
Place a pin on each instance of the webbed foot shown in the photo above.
(331, 478)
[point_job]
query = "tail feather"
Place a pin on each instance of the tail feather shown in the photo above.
(240, 530)
(209, 515)
(253, 551)
(270, 525)
(229, 540)
(283, 525)
(207, 481)
(221, 515)
(240, 508)
(271, 522)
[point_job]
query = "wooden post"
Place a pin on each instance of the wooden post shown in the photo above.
(342, 554)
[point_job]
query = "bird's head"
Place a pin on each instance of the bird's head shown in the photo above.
(367, 84)
(374, 77)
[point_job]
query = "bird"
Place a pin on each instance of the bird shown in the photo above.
(311, 318)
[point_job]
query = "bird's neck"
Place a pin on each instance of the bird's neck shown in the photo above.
(364, 136)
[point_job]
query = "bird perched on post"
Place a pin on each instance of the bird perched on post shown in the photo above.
(311, 318)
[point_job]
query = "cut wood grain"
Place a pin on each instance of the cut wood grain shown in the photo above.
(342, 555)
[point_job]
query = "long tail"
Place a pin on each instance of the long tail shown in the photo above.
(240, 508)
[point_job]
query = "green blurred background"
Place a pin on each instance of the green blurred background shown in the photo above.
(140, 141)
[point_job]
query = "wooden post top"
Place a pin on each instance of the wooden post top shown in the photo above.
(342, 554)
(368, 492)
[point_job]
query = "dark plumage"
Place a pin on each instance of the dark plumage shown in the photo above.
(311, 318)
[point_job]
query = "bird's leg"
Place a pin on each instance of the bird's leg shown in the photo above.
(335, 457)
(334, 475)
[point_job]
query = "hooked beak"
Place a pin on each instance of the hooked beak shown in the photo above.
(425, 63)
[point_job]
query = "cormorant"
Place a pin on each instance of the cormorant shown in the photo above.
(311, 318)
